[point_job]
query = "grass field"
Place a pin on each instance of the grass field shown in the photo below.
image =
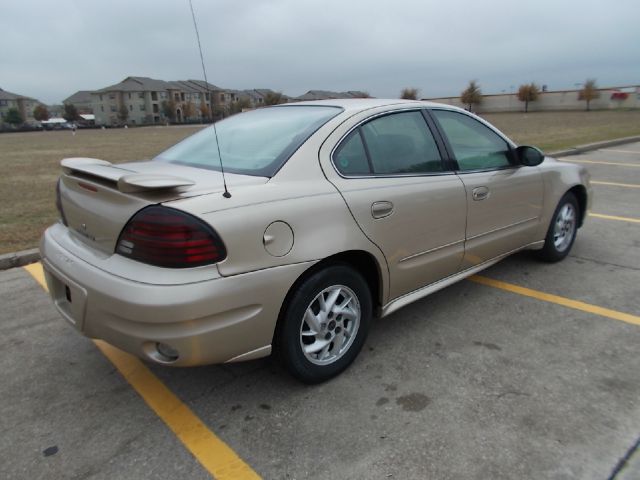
(30, 161)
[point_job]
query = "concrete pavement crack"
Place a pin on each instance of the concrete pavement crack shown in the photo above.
(623, 461)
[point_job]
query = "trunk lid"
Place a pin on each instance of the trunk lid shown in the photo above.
(98, 198)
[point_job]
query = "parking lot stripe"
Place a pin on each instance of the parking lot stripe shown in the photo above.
(618, 164)
(614, 184)
(615, 217)
(212, 453)
(566, 302)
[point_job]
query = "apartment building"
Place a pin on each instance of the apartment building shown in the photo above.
(150, 101)
(23, 104)
(81, 100)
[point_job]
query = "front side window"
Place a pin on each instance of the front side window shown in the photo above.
(475, 146)
(400, 143)
(258, 142)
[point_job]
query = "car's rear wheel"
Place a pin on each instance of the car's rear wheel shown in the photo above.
(325, 324)
(562, 230)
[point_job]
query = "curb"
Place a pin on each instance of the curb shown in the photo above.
(594, 146)
(19, 259)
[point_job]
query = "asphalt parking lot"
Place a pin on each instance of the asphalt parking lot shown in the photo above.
(531, 371)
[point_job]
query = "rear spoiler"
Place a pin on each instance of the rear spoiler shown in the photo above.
(124, 180)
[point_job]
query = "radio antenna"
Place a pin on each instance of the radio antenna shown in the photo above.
(226, 193)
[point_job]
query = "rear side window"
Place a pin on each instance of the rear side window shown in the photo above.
(400, 143)
(475, 146)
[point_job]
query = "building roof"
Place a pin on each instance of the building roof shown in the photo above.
(137, 84)
(4, 95)
(81, 96)
(326, 95)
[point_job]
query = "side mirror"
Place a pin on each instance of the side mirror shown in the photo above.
(529, 156)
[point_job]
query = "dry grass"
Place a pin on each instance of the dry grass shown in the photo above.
(30, 161)
(558, 130)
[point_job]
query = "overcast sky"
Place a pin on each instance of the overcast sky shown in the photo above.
(52, 48)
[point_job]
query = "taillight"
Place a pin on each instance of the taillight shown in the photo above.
(170, 238)
(59, 203)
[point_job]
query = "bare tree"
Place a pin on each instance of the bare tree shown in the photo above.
(409, 93)
(41, 113)
(123, 113)
(589, 92)
(528, 92)
(273, 98)
(472, 95)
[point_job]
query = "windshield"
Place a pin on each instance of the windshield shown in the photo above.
(258, 142)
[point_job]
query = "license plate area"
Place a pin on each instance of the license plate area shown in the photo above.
(69, 298)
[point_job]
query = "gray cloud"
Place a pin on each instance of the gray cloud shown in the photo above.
(53, 48)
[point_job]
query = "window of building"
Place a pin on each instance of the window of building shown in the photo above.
(475, 146)
(3, 103)
(112, 96)
(140, 94)
(131, 108)
(222, 97)
(154, 96)
(400, 143)
(163, 95)
(101, 108)
(113, 108)
(100, 97)
(142, 107)
(176, 97)
(129, 96)
(182, 96)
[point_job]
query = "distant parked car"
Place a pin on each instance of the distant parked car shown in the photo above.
(339, 211)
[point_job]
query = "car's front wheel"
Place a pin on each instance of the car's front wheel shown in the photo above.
(325, 323)
(562, 230)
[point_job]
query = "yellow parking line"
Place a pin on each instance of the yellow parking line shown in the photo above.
(614, 184)
(566, 302)
(618, 164)
(212, 453)
(614, 217)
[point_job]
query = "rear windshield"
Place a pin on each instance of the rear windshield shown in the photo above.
(258, 142)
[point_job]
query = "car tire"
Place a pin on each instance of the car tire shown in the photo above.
(324, 323)
(562, 230)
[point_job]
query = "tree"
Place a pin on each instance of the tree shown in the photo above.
(204, 110)
(240, 105)
(188, 110)
(169, 109)
(41, 113)
(472, 95)
(409, 93)
(273, 98)
(70, 112)
(13, 117)
(123, 113)
(589, 92)
(528, 93)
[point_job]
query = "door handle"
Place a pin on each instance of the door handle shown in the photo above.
(480, 193)
(381, 209)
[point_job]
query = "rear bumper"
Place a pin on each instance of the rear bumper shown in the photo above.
(207, 321)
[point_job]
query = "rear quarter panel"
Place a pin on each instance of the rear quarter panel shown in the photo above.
(298, 195)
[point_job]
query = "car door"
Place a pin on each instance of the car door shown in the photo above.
(504, 200)
(393, 179)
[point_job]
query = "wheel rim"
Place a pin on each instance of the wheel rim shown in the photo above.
(330, 325)
(565, 227)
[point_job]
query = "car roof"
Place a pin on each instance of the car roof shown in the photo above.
(358, 104)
